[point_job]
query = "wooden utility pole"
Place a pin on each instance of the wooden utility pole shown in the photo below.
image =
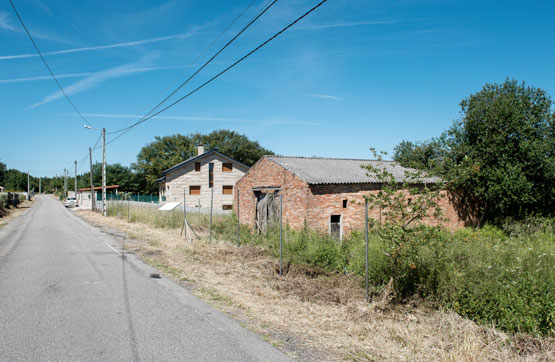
(75, 194)
(93, 201)
(65, 182)
(104, 171)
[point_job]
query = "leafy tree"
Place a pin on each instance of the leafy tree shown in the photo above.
(420, 155)
(500, 156)
(168, 151)
(403, 204)
(2, 173)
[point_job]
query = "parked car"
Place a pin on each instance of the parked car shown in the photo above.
(71, 202)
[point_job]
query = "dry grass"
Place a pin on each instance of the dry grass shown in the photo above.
(14, 212)
(311, 310)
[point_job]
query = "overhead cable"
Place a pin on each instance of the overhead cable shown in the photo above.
(126, 129)
(48, 67)
(205, 63)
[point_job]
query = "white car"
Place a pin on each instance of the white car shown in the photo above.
(71, 202)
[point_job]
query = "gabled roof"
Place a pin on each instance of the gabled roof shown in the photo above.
(316, 170)
(199, 157)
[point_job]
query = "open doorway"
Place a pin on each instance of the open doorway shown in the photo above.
(336, 226)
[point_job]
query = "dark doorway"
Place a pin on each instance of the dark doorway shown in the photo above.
(335, 226)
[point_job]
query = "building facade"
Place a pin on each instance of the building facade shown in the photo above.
(209, 174)
(323, 194)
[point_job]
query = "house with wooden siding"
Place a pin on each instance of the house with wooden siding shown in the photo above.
(324, 194)
(200, 176)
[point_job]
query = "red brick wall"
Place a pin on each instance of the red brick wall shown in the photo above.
(267, 173)
(316, 203)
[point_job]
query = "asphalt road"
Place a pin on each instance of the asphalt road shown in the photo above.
(68, 294)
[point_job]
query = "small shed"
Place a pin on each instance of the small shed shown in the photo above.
(325, 194)
(84, 195)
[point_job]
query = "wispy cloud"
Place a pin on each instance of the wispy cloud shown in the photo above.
(345, 25)
(100, 47)
(292, 122)
(325, 96)
(7, 25)
(5, 22)
(92, 81)
(43, 77)
(180, 118)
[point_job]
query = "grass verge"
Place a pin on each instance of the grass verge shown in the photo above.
(315, 312)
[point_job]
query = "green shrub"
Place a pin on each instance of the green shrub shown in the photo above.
(502, 276)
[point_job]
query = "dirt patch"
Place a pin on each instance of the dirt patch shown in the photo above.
(13, 212)
(315, 315)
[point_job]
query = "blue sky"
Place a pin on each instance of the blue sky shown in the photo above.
(354, 74)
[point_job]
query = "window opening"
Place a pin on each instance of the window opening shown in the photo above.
(211, 175)
(197, 166)
(227, 167)
(226, 207)
(344, 204)
(227, 190)
(194, 190)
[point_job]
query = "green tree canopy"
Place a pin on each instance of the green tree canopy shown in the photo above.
(168, 151)
(500, 155)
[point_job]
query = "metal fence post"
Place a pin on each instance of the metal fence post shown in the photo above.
(280, 229)
(184, 214)
(211, 206)
(366, 235)
(117, 205)
(238, 235)
(128, 217)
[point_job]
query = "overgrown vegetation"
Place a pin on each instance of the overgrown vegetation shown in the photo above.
(500, 276)
(499, 156)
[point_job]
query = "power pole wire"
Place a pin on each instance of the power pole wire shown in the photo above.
(198, 56)
(126, 129)
(207, 62)
(48, 67)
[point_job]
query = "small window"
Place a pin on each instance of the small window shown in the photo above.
(210, 175)
(344, 204)
(227, 167)
(226, 207)
(227, 190)
(197, 166)
(194, 190)
(168, 187)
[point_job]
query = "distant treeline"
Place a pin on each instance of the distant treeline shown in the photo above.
(152, 159)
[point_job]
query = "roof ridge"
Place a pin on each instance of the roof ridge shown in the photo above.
(331, 158)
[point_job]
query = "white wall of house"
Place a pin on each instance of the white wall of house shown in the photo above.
(181, 180)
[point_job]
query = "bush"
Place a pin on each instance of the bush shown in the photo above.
(502, 276)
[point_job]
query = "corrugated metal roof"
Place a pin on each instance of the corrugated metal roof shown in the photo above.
(315, 170)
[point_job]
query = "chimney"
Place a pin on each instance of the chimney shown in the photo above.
(200, 149)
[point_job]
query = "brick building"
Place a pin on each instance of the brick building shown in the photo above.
(325, 194)
(198, 176)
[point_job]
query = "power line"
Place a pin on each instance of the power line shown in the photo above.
(199, 55)
(125, 130)
(47, 67)
(265, 9)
